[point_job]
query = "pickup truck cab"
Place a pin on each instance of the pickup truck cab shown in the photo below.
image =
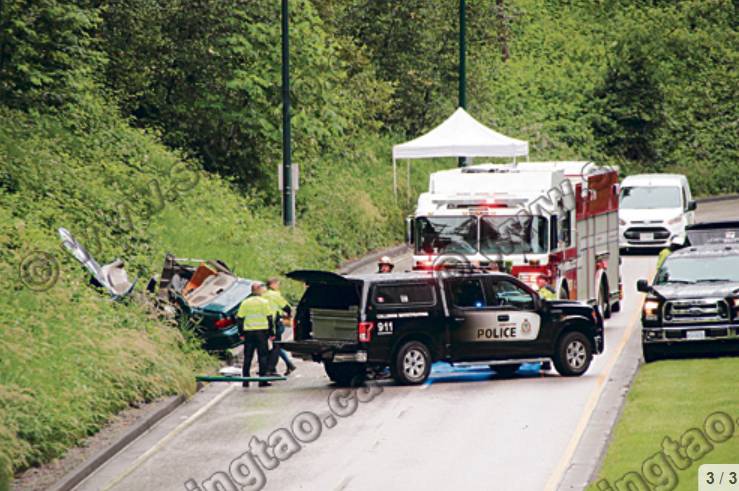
(360, 324)
(692, 307)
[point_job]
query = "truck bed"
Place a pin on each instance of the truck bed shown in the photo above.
(334, 324)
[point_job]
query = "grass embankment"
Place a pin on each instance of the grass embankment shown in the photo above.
(668, 399)
(69, 356)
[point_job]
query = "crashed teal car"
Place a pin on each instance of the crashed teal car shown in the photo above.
(206, 296)
(203, 295)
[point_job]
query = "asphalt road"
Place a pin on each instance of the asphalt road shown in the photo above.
(718, 210)
(463, 429)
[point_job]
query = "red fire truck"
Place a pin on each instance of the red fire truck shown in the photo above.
(558, 219)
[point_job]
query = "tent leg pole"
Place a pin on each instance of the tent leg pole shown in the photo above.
(408, 177)
(395, 179)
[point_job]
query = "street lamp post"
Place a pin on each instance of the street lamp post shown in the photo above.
(288, 191)
(462, 56)
(462, 162)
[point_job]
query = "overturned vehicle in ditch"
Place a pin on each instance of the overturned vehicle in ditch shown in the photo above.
(202, 295)
(205, 295)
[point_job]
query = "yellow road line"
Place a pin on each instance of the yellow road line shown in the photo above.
(600, 385)
(145, 456)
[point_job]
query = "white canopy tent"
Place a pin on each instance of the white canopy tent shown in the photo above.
(460, 135)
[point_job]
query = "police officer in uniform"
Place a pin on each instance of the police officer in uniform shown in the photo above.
(280, 308)
(255, 312)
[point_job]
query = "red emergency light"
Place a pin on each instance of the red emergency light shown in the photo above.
(492, 204)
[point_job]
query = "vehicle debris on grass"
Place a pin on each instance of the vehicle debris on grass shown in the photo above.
(201, 295)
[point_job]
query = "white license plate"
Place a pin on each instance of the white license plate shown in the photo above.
(696, 335)
(646, 236)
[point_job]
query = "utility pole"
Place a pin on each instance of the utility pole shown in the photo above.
(288, 191)
(462, 162)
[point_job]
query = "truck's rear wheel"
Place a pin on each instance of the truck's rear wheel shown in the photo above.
(412, 363)
(573, 354)
(346, 374)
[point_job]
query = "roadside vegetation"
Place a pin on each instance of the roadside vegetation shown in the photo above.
(667, 399)
(152, 126)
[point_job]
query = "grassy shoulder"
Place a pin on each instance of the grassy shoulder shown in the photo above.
(683, 400)
(70, 357)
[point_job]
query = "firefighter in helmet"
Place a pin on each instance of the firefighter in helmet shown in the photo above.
(385, 265)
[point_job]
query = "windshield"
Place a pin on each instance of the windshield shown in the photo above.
(446, 235)
(643, 197)
(698, 270)
(514, 235)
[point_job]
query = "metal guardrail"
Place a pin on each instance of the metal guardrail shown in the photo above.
(723, 197)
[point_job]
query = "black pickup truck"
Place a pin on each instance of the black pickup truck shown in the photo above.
(692, 307)
(362, 324)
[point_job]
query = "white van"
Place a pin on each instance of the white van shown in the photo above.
(654, 210)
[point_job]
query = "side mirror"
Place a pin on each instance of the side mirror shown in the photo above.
(692, 205)
(642, 286)
(409, 226)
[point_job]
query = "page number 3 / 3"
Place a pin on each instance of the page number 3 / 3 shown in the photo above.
(718, 477)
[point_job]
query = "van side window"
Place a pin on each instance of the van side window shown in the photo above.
(685, 198)
(467, 293)
(413, 294)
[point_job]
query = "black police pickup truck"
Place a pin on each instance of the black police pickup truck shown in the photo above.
(363, 324)
(693, 305)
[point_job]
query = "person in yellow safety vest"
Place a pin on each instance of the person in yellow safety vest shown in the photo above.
(255, 312)
(662, 256)
(545, 289)
(280, 308)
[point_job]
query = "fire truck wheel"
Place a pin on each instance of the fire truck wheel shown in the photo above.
(412, 363)
(573, 354)
(603, 301)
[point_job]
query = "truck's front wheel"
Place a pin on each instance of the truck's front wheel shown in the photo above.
(346, 374)
(573, 354)
(650, 354)
(412, 363)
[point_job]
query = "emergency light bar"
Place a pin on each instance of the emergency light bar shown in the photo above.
(492, 202)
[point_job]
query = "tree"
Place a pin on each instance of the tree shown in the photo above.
(48, 55)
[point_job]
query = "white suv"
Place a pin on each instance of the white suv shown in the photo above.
(654, 210)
